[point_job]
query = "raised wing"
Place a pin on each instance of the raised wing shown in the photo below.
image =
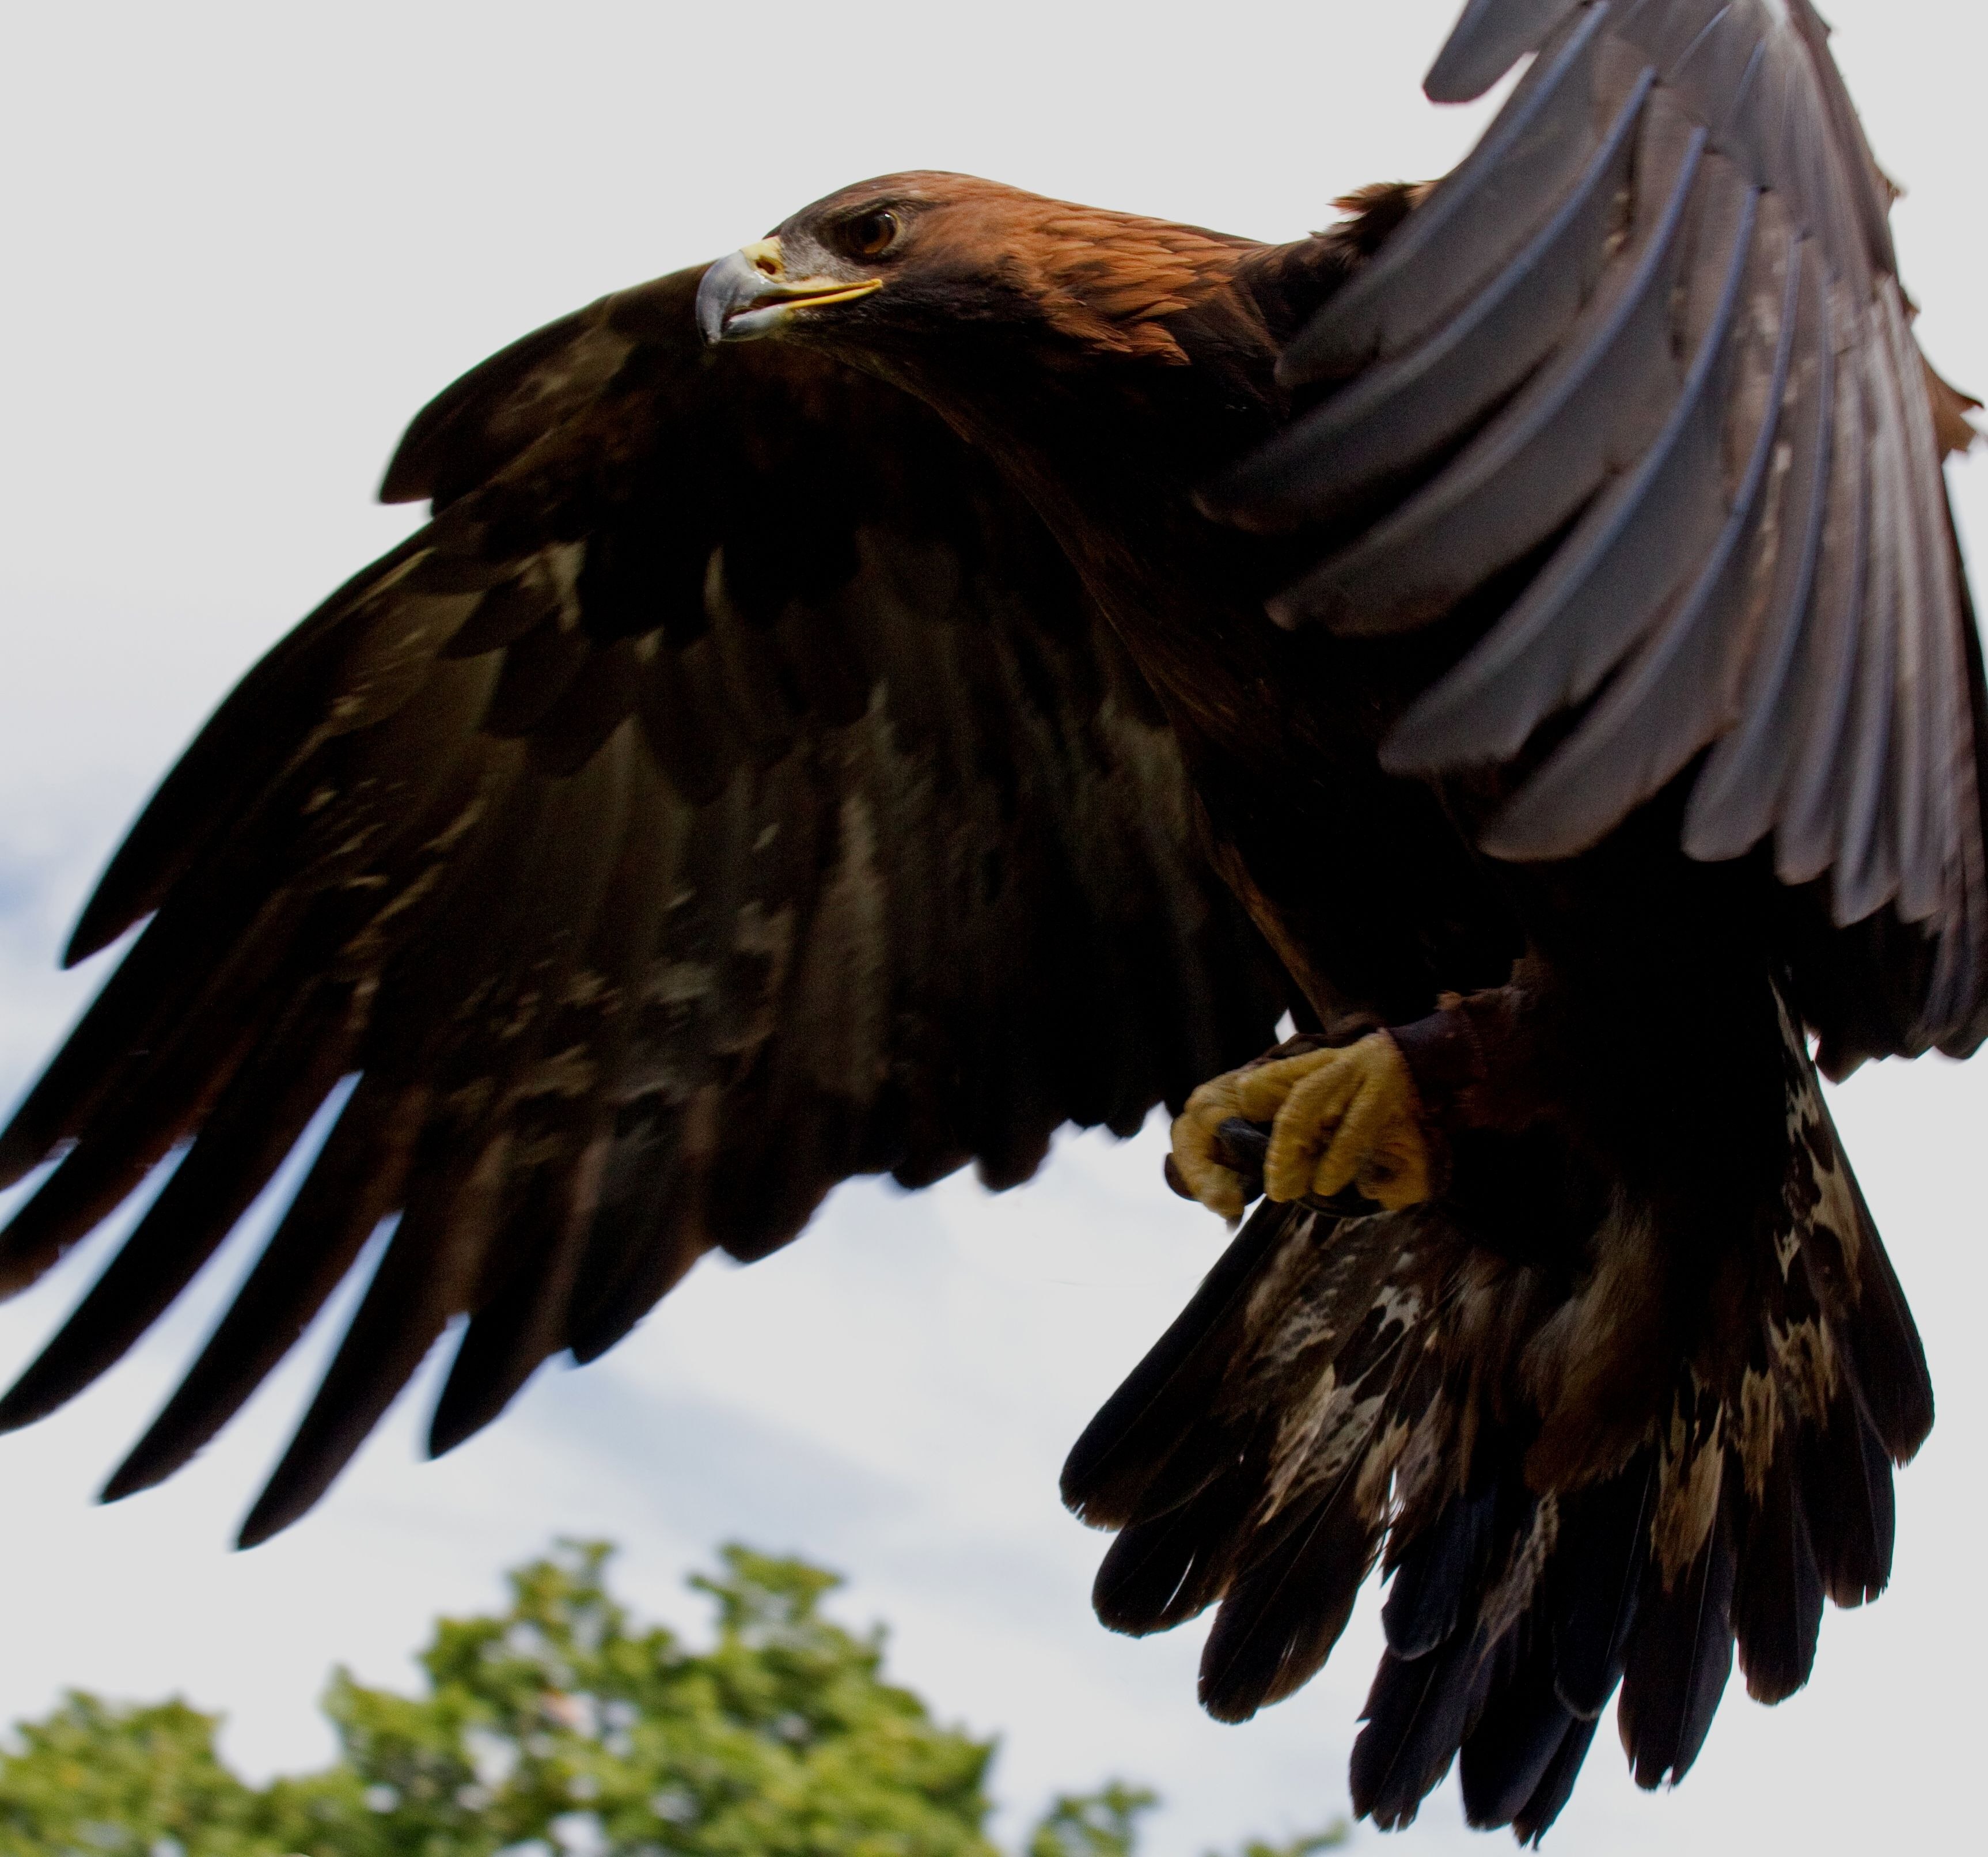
(1639, 379)
(729, 791)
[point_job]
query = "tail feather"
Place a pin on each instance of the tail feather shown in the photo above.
(1350, 1392)
(1437, 1574)
(1161, 1573)
(1885, 1353)
(1604, 1555)
(1550, 1798)
(1778, 1604)
(1847, 1490)
(1278, 1623)
(1418, 1712)
(1521, 1729)
(1141, 1429)
(1680, 1657)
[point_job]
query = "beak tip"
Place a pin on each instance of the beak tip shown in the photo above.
(718, 294)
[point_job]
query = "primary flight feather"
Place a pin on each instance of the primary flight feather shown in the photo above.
(967, 663)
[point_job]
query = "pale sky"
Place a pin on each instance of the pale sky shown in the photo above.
(243, 244)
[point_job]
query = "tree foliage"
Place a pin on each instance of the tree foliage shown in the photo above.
(560, 1726)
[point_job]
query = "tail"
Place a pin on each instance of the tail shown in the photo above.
(1343, 1392)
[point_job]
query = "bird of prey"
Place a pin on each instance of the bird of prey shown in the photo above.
(968, 663)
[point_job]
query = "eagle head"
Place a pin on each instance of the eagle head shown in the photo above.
(896, 261)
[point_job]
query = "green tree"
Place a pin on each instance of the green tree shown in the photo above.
(93, 1777)
(1093, 1825)
(561, 1725)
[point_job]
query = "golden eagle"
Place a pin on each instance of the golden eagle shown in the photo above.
(1518, 632)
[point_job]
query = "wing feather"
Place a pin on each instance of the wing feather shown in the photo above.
(1595, 408)
(1454, 247)
(1635, 388)
(1402, 410)
(1666, 704)
(731, 789)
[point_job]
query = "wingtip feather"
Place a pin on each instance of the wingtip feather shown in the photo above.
(1492, 36)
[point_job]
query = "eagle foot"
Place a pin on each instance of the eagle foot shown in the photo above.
(1343, 1118)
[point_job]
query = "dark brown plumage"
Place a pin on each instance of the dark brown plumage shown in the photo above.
(822, 819)
(869, 750)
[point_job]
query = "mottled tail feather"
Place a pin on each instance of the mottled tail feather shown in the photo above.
(1138, 1430)
(1280, 1619)
(1346, 1391)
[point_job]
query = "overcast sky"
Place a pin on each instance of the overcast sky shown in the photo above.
(241, 245)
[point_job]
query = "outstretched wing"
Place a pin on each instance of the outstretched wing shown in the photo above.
(1638, 377)
(731, 789)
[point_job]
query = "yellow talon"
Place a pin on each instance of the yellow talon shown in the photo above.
(1339, 1118)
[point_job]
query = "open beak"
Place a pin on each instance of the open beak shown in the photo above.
(749, 293)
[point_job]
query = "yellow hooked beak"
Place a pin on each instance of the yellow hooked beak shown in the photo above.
(749, 293)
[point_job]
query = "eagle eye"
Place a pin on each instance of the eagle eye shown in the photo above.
(872, 235)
